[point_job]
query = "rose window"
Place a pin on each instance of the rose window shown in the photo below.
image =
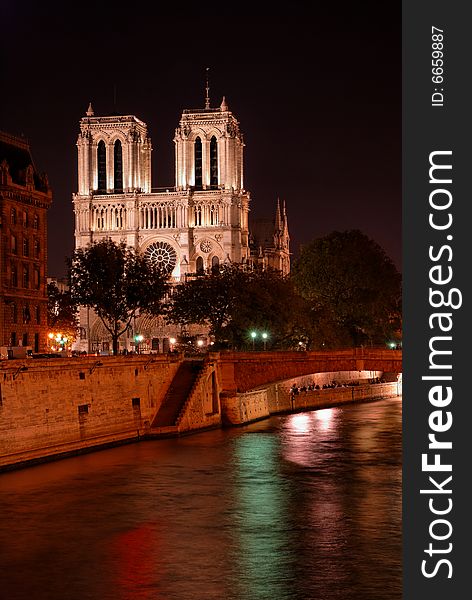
(162, 254)
(206, 246)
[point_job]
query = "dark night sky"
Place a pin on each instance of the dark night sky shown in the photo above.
(318, 98)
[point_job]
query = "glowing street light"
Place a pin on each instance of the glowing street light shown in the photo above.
(253, 335)
(138, 339)
(264, 337)
(58, 341)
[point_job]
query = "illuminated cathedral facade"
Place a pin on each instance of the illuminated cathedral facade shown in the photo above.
(189, 229)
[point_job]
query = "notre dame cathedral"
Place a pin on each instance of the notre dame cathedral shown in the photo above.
(200, 223)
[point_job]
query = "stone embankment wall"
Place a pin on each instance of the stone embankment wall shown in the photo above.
(64, 406)
(238, 409)
(54, 406)
(202, 408)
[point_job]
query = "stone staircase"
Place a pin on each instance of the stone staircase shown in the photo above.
(179, 390)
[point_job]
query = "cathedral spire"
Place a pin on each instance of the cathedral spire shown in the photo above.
(278, 218)
(207, 97)
(223, 105)
(90, 112)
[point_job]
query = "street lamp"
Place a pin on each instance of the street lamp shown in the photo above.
(172, 341)
(138, 338)
(253, 335)
(264, 337)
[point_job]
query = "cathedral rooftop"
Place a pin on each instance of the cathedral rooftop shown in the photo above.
(113, 118)
(187, 111)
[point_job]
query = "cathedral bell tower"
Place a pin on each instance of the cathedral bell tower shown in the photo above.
(209, 150)
(114, 155)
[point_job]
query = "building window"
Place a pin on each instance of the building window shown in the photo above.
(25, 219)
(213, 163)
(198, 164)
(118, 167)
(14, 247)
(200, 269)
(36, 278)
(102, 166)
(36, 248)
(25, 339)
(13, 338)
(215, 264)
(13, 216)
(38, 315)
(25, 276)
(36, 222)
(25, 247)
(14, 313)
(14, 275)
(36, 342)
(26, 315)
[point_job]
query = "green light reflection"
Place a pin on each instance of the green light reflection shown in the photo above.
(261, 506)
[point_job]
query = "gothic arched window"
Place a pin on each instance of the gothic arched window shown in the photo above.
(213, 163)
(200, 269)
(118, 167)
(215, 264)
(198, 164)
(102, 167)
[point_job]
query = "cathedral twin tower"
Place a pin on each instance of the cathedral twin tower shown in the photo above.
(193, 227)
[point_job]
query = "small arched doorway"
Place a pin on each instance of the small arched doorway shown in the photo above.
(199, 266)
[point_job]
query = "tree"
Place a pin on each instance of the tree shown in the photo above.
(236, 300)
(118, 283)
(207, 300)
(62, 312)
(269, 303)
(353, 288)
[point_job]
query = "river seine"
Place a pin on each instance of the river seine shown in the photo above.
(301, 506)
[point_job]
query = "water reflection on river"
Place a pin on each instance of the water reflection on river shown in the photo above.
(304, 506)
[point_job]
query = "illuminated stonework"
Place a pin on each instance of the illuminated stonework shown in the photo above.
(163, 254)
(198, 224)
(206, 246)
